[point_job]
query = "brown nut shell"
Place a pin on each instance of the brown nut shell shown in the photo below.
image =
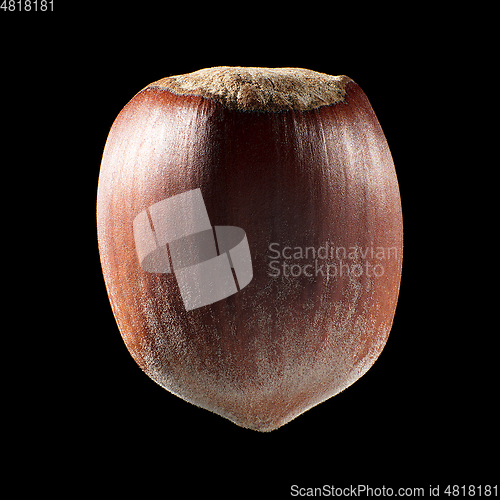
(312, 187)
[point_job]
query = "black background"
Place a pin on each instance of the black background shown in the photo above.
(425, 412)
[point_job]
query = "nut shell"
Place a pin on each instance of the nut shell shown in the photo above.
(319, 178)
